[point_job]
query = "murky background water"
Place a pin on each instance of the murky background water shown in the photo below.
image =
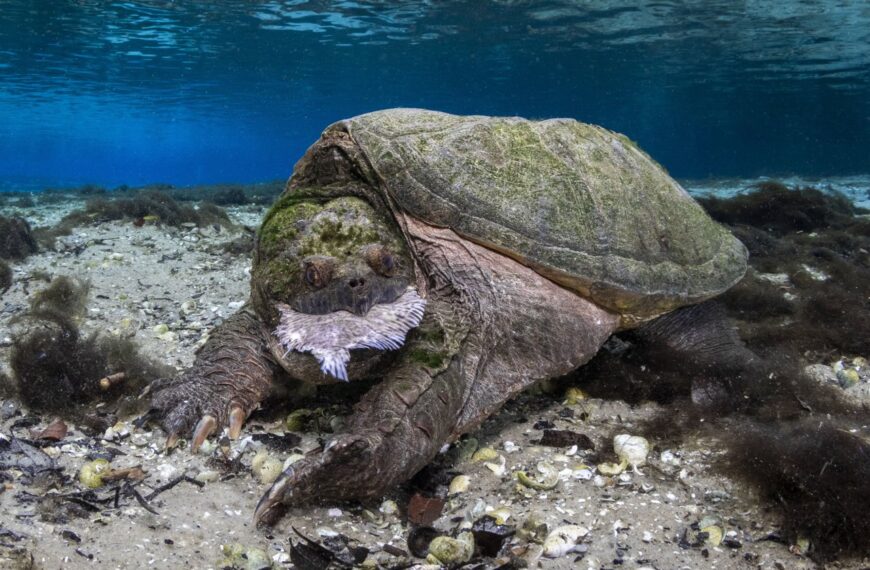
(215, 91)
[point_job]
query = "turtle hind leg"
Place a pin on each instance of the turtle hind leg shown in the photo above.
(697, 346)
(232, 374)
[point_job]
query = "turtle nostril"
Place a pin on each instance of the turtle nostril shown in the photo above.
(355, 283)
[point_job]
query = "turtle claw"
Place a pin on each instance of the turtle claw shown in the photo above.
(271, 507)
(237, 419)
(347, 468)
(204, 428)
(171, 442)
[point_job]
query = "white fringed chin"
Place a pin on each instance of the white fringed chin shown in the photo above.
(331, 337)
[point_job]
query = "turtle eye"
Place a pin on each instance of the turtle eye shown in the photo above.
(317, 272)
(381, 260)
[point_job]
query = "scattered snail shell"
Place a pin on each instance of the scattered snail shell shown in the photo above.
(497, 468)
(574, 396)
(564, 539)
(631, 448)
(547, 477)
(714, 535)
(91, 473)
(451, 551)
(484, 454)
(266, 468)
(458, 485)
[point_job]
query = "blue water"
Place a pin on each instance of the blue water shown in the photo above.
(215, 91)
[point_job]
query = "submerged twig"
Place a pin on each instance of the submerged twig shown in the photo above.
(139, 498)
(173, 483)
(112, 380)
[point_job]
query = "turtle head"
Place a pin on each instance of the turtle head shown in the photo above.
(334, 282)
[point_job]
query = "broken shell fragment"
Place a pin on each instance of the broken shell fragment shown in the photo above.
(458, 485)
(451, 551)
(500, 515)
(497, 468)
(612, 469)
(546, 478)
(91, 473)
(631, 448)
(563, 540)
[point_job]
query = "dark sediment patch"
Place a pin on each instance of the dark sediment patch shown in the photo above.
(805, 299)
(16, 238)
(57, 369)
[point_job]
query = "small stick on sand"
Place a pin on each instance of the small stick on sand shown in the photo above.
(112, 380)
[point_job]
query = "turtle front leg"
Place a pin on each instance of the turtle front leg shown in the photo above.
(397, 429)
(232, 374)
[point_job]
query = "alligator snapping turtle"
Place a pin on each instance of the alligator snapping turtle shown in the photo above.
(458, 259)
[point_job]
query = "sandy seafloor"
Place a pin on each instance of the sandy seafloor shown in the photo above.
(141, 277)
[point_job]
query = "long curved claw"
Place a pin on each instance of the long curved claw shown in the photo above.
(271, 507)
(203, 429)
(237, 419)
(346, 468)
(171, 441)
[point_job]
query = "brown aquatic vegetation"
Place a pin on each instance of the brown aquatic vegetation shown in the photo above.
(16, 238)
(55, 368)
(786, 435)
(780, 210)
(145, 205)
(5, 277)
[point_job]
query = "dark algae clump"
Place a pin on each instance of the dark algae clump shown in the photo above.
(57, 369)
(5, 277)
(778, 209)
(806, 299)
(809, 287)
(16, 238)
(146, 206)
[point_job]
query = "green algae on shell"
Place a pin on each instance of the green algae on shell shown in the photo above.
(581, 205)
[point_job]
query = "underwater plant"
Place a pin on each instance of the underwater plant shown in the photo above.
(16, 238)
(5, 277)
(58, 369)
(804, 300)
(153, 206)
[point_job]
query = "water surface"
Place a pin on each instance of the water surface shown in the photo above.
(213, 91)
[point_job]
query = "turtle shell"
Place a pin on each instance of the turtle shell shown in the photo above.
(580, 204)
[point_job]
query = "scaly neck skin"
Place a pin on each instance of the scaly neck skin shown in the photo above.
(523, 327)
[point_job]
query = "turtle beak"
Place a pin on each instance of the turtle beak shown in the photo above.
(359, 298)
